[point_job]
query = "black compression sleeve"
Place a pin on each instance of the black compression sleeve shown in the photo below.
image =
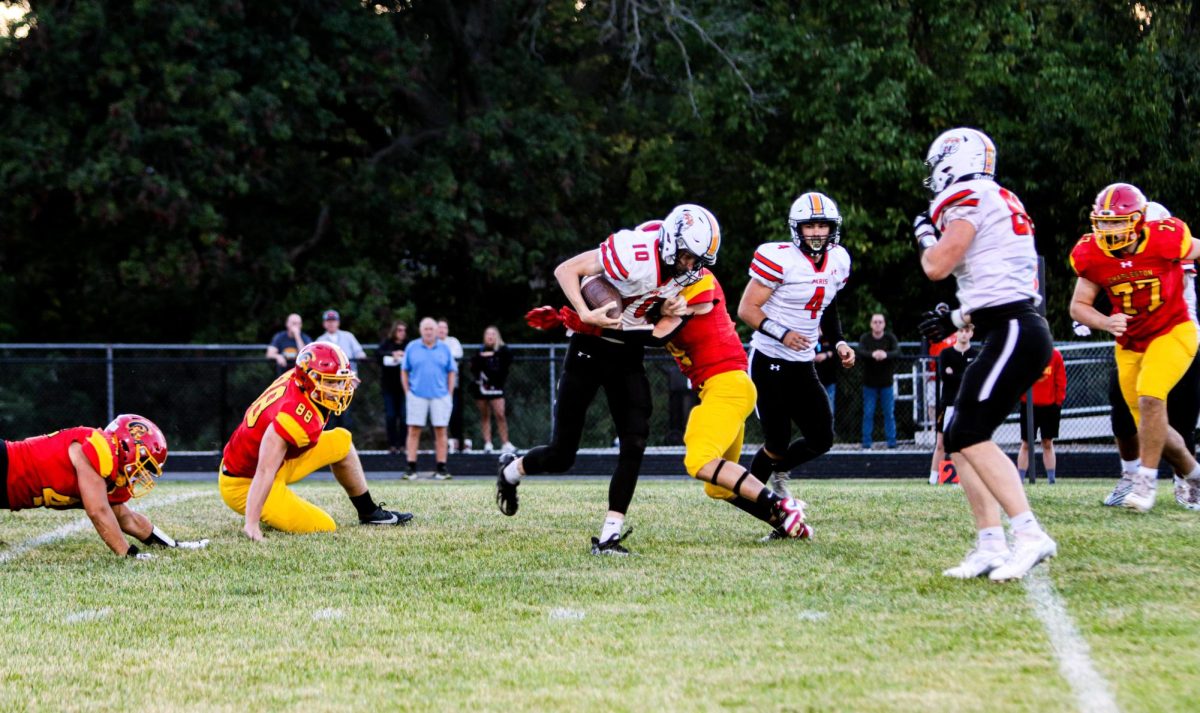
(831, 324)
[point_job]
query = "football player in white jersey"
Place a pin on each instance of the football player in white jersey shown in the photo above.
(649, 266)
(789, 299)
(979, 232)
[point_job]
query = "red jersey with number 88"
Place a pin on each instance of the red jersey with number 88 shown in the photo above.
(1147, 285)
(284, 407)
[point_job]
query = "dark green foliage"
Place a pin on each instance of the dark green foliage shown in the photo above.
(193, 171)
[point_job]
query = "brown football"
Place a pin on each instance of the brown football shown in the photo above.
(598, 291)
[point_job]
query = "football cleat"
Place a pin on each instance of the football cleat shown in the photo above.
(442, 475)
(506, 492)
(778, 482)
(1026, 553)
(1119, 491)
(386, 517)
(612, 546)
(977, 563)
(409, 475)
(791, 517)
(1193, 485)
(1141, 497)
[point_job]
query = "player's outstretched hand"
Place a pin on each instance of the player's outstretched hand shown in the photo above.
(937, 324)
(253, 531)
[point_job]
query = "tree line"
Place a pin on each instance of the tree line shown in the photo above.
(194, 171)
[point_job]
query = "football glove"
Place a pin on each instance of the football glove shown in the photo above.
(939, 323)
(543, 318)
(1081, 329)
(571, 320)
(925, 231)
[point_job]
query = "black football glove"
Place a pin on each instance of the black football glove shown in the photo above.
(937, 324)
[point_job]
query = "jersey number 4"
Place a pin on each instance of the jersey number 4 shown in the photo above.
(814, 305)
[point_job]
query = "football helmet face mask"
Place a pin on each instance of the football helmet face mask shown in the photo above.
(323, 371)
(693, 230)
(139, 452)
(959, 155)
(815, 209)
(1117, 216)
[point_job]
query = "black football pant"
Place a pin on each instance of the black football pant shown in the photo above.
(789, 392)
(593, 363)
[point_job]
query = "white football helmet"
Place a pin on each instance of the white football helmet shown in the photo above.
(1156, 211)
(815, 207)
(959, 155)
(692, 229)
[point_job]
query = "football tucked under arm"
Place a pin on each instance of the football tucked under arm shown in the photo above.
(597, 291)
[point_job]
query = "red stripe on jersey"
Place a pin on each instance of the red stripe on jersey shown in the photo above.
(612, 249)
(948, 203)
(759, 256)
(608, 268)
(764, 274)
(970, 202)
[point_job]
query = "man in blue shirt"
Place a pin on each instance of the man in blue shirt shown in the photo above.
(428, 374)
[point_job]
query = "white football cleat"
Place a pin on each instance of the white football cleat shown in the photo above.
(977, 563)
(1026, 553)
(1119, 491)
(778, 482)
(1141, 498)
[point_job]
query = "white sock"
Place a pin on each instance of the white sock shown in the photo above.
(1195, 472)
(1130, 467)
(992, 539)
(1150, 474)
(933, 476)
(612, 526)
(512, 473)
(1025, 525)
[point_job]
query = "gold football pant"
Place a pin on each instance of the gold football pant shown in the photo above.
(1155, 371)
(284, 509)
(717, 425)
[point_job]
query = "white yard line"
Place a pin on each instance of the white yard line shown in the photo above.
(84, 524)
(1093, 694)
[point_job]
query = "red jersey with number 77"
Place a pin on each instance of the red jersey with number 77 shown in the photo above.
(284, 407)
(1147, 284)
(41, 474)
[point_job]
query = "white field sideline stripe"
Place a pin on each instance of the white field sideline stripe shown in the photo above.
(83, 524)
(1010, 343)
(1092, 692)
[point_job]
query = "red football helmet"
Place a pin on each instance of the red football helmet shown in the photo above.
(1117, 216)
(323, 371)
(139, 451)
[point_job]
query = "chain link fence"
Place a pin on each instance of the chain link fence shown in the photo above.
(198, 393)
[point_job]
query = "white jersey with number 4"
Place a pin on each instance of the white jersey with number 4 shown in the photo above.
(631, 264)
(1000, 266)
(801, 290)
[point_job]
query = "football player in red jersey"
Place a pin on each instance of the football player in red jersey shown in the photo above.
(710, 354)
(1137, 264)
(97, 470)
(281, 440)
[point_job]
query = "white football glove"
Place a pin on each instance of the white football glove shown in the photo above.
(1081, 329)
(192, 545)
(924, 230)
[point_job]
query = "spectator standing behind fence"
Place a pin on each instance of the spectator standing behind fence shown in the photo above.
(429, 374)
(351, 348)
(287, 344)
(878, 349)
(1049, 392)
(490, 369)
(391, 356)
(457, 442)
(951, 363)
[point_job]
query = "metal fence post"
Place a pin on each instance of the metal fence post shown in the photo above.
(553, 376)
(108, 372)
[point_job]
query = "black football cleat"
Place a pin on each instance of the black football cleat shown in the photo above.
(386, 517)
(612, 546)
(506, 492)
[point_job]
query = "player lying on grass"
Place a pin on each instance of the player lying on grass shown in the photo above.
(709, 352)
(97, 470)
(281, 440)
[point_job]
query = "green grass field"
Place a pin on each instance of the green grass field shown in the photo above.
(468, 609)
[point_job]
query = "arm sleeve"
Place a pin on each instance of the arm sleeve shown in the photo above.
(642, 337)
(861, 349)
(831, 324)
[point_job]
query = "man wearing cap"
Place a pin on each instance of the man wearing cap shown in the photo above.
(349, 344)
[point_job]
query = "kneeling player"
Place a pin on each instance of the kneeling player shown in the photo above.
(97, 470)
(281, 441)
